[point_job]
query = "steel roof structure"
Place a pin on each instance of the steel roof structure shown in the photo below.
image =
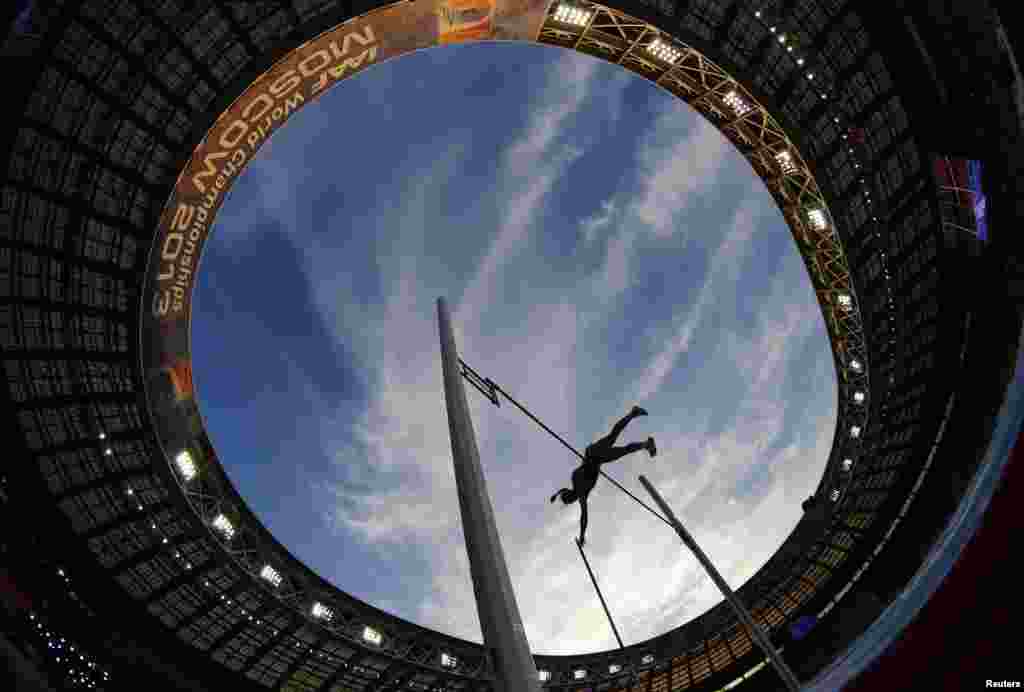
(859, 118)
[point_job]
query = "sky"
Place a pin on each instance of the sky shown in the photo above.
(600, 245)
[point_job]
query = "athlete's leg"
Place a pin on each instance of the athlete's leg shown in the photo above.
(616, 453)
(609, 439)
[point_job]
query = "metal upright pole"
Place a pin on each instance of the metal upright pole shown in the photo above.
(756, 633)
(502, 626)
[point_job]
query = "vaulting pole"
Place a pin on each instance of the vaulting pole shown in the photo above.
(756, 633)
(504, 636)
(599, 594)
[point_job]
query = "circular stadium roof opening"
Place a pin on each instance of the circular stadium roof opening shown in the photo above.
(309, 70)
(727, 232)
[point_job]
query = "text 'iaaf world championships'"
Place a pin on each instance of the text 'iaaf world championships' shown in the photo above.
(233, 142)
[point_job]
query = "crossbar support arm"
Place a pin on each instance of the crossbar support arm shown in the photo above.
(756, 633)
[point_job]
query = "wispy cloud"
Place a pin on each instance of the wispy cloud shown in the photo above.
(681, 160)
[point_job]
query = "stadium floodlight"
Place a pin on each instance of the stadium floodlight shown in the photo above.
(737, 103)
(572, 15)
(800, 62)
(649, 658)
(614, 668)
(785, 160)
(664, 51)
(782, 38)
(108, 451)
(322, 612)
(371, 635)
(858, 397)
(817, 219)
(544, 675)
(856, 365)
(845, 301)
(835, 495)
(855, 431)
(223, 524)
(186, 465)
(103, 435)
(271, 575)
(579, 674)
(448, 661)
(847, 464)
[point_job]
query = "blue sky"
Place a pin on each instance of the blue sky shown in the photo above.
(600, 245)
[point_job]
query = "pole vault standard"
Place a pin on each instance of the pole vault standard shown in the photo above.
(502, 626)
(755, 631)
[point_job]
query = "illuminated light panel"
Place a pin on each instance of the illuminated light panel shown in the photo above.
(800, 61)
(845, 301)
(186, 465)
(856, 365)
(834, 495)
(103, 436)
(855, 431)
(663, 51)
(785, 160)
(847, 464)
(108, 451)
(572, 15)
(371, 635)
(544, 675)
(449, 661)
(817, 219)
(322, 612)
(737, 103)
(649, 658)
(858, 397)
(223, 524)
(271, 575)
(579, 674)
(614, 668)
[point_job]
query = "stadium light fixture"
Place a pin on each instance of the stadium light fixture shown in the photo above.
(817, 219)
(664, 51)
(572, 15)
(448, 661)
(800, 62)
(372, 636)
(858, 397)
(614, 668)
(579, 674)
(782, 38)
(103, 435)
(544, 675)
(835, 495)
(186, 465)
(855, 431)
(108, 451)
(737, 103)
(223, 524)
(322, 612)
(271, 575)
(785, 160)
(856, 365)
(845, 301)
(649, 658)
(847, 464)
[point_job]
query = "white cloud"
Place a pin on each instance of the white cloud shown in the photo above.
(598, 221)
(679, 169)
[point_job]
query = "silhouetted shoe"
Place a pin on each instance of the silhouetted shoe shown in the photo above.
(637, 411)
(651, 449)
